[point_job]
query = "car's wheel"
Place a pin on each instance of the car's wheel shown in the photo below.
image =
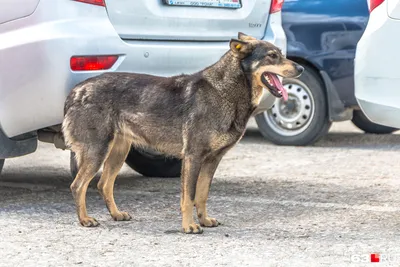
(301, 120)
(1, 164)
(152, 164)
(364, 124)
(73, 166)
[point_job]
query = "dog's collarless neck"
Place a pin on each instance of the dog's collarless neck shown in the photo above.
(228, 78)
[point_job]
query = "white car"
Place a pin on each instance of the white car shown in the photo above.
(48, 46)
(377, 72)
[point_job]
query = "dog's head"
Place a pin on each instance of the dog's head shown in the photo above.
(265, 62)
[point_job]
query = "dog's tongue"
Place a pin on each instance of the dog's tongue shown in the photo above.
(278, 84)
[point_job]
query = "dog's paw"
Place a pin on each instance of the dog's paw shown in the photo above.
(209, 222)
(89, 222)
(122, 216)
(192, 228)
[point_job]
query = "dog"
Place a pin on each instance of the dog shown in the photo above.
(196, 118)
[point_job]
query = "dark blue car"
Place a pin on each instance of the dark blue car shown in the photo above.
(322, 36)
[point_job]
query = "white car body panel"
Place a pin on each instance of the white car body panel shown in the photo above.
(393, 7)
(164, 22)
(15, 9)
(377, 75)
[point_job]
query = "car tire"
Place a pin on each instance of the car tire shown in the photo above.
(303, 119)
(153, 165)
(73, 165)
(1, 164)
(364, 124)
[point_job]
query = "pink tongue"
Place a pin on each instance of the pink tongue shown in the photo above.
(279, 85)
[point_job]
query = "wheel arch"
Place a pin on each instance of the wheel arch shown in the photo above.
(310, 65)
(335, 106)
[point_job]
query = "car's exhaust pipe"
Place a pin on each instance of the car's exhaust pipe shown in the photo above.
(55, 138)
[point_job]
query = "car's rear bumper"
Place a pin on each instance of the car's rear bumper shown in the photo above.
(35, 75)
(16, 147)
(376, 72)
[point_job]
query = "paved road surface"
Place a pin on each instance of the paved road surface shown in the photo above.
(281, 206)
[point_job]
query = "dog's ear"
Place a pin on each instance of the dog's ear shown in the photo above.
(245, 37)
(240, 49)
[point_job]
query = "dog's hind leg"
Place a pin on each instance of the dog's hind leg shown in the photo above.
(112, 165)
(90, 158)
(203, 187)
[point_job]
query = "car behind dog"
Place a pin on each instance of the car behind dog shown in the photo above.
(47, 47)
(322, 36)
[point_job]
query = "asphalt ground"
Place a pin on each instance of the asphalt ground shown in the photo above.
(331, 204)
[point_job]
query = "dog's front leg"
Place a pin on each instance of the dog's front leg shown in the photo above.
(203, 187)
(191, 166)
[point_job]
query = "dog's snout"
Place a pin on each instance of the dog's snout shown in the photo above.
(299, 68)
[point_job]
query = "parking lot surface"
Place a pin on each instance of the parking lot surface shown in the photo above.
(330, 204)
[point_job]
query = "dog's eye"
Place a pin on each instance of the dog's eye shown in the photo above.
(273, 55)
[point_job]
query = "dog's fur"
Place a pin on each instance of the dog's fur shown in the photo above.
(197, 118)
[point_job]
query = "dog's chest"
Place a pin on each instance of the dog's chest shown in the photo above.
(223, 140)
(257, 95)
(228, 136)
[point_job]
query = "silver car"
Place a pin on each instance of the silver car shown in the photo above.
(48, 46)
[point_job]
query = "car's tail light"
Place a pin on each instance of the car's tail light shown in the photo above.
(374, 4)
(93, 2)
(87, 63)
(276, 6)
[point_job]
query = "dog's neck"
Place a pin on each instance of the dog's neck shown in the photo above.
(229, 79)
(234, 85)
(235, 81)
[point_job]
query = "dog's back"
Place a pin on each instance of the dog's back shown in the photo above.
(148, 109)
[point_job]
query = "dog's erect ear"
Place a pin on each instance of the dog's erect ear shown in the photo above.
(245, 37)
(240, 48)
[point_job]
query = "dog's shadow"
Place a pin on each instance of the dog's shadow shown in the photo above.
(45, 187)
(45, 196)
(350, 140)
(154, 203)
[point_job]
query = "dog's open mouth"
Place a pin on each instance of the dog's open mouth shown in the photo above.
(271, 81)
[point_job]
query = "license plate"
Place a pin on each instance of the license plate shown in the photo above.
(206, 3)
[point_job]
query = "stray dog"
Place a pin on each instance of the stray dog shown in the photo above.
(196, 117)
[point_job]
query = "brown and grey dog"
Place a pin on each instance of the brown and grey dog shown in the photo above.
(197, 118)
